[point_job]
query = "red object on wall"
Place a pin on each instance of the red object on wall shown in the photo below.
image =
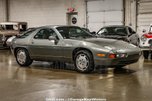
(149, 35)
(71, 10)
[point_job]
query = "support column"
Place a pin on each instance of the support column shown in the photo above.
(131, 13)
(7, 9)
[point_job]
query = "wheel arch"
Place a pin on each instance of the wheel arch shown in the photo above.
(15, 50)
(79, 49)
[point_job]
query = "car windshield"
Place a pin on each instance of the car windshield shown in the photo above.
(121, 31)
(73, 32)
(27, 33)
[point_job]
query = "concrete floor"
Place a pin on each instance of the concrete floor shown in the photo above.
(40, 82)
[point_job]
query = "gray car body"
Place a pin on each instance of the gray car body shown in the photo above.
(64, 49)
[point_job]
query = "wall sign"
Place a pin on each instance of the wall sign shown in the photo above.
(74, 20)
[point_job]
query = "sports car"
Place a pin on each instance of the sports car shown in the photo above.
(74, 45)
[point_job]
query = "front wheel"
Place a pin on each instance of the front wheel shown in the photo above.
(23, 58)
(84, 61)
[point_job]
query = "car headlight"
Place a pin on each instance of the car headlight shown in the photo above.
(143, 38)
(122, 55)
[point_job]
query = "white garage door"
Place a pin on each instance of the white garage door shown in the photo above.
(38, 12)
(144, 15)
(104, 12)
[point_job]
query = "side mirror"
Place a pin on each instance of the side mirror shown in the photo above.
(52, 38)
(144, 31)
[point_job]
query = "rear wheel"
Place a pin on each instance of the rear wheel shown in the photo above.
(146, 54)
(84, 61)
(23, 58)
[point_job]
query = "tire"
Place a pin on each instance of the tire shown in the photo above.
(23, 58)
(83, 61)
(146, 54)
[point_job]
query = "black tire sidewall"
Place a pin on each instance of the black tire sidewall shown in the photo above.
(91, 62)
(28, 60)
(146, 54)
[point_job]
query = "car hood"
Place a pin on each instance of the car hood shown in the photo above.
(112, 43)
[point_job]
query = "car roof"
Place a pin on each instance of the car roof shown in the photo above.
(12, 23)
(116, 26)
(55, 26)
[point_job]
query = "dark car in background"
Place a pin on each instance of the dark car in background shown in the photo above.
(119, 32)
(72, 44)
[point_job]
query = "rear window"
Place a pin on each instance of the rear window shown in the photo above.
(73, 32)
(27, 33)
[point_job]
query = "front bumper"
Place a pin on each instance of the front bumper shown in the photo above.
(118, 61)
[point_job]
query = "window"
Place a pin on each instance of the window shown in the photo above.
(103, 31)
(73, 32)
(45, 34)
(9, 27)
(150, 29)
(27, 33)
(23, 27)
(131, 31)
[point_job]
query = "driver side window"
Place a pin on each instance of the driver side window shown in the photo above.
(45, 34)
(131, 31)
(73, 31)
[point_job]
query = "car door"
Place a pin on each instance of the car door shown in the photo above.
(44, 49)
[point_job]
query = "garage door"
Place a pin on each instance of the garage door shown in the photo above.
(104, 12)
(144, 15)
(38, 12)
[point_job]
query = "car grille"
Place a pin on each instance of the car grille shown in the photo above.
(131, 59)
(133, 56)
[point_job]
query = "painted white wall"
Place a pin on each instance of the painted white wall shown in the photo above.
(45, 12)
(144, 17)
(2, 11)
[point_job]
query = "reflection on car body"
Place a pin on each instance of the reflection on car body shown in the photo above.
(73, 44)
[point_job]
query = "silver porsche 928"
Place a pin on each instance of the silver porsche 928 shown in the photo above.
(74, 45)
